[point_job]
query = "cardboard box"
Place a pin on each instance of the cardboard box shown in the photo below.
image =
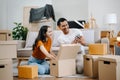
(28, 71)
(62, 68)
(6, 72)
(91, 65)
(113, 41)
(65, 65)
(8, 49)
(98, 49)
(109, 67)
(106, 34)
(5, 35)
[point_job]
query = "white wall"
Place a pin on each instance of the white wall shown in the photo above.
(71, 9)
(100, 8)
(12, 11)
(3, 14)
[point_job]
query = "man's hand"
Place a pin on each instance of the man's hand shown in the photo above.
(79, 39)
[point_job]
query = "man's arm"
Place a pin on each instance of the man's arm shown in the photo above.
(79, 39)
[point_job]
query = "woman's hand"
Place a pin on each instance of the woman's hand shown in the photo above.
(51, 57)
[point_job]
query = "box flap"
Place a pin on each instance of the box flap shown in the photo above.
(68, 51)
(111, 58)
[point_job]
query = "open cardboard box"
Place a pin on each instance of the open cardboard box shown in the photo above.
(65, 64)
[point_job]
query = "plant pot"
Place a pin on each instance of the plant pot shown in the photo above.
(21, 44)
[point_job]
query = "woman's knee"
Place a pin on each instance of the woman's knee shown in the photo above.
(46, 65)
(41, 70)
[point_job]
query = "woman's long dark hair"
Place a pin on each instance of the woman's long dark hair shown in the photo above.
(41, 35)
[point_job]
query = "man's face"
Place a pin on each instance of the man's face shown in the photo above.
(64, 27)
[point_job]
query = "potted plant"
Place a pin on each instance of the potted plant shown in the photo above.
(19, 33)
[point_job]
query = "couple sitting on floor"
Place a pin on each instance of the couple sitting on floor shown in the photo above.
(43, 42)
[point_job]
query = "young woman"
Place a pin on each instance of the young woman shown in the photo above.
(41, 50)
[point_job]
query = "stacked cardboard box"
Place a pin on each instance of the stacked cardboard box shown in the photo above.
(109, 67)
(6, 69)
(91, 59)
(91, 65)
(5, 35)
(8, 51)
(102, 66)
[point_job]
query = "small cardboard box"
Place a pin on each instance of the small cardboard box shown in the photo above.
(5, 35)
(28, 71)
(98, 49)
(6, 72)
(109, 67)
(106, 34)
(91, 65)
(8, 49)
(65, 64)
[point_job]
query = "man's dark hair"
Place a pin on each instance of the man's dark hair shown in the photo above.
(61, 20)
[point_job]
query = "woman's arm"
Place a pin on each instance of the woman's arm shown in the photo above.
(42, 48)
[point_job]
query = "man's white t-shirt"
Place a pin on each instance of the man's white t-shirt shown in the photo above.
(68, 38)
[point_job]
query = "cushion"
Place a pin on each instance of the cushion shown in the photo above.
(30, 39)
(88, 35)
(24, 52)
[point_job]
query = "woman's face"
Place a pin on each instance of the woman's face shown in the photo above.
(49, 32)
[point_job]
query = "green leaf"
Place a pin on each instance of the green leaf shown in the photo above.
(19, 32)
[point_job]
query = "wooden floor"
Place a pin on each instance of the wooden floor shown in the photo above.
(53, 78)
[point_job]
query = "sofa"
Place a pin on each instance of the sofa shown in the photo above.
(25, 47)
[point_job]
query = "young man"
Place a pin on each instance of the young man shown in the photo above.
(72, 36)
